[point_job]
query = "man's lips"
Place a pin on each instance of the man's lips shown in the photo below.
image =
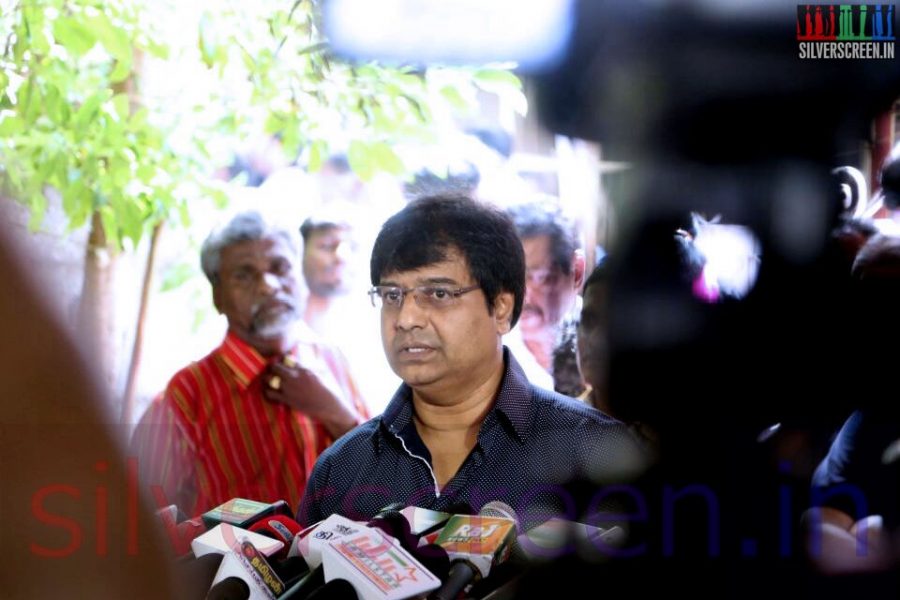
(275, 306)
(413, 349)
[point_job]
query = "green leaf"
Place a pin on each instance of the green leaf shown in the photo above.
(53, 104)
(38, 205)
(75, 36)
(207, 42)
(121, 105)
(156, 49)
(219, 198)
(317, 152)
(88, 111)
(110, 226)
(386, 159)
(11, 125)
(498, 76)
(146, 173)
(452, 95)
(121, 71)
(176, 275)
(115, 39)
(360, 160)
(131, 220)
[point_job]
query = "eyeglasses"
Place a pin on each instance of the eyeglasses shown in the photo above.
(389, 297)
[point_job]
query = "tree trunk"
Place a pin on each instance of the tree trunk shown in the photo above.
(96, 314)
(137, 346)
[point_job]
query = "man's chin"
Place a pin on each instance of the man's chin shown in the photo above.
(276, 327)
(530, 321)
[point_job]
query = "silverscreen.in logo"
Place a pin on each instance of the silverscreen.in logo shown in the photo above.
(854, 31)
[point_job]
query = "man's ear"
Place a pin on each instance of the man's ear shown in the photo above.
(578, 268)
(503, 309)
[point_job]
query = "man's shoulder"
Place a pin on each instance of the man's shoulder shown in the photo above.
(188, 380)
(359, 441)
(558, 410)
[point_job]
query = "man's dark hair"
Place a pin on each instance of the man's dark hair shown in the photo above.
(533, 219)
(323, 219)
(429, 229)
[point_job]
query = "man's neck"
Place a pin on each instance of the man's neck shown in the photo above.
(541, 347)
(460, 408)
(449, 425)
(316, 308)
(270, 346)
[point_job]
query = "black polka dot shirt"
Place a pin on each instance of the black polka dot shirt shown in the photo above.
(532, 445)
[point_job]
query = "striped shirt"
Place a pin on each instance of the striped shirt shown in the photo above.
(212, 435)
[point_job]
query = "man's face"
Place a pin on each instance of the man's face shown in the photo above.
(257, 291)
(325, 257)
(549, 293)
(441, 350)
(593, 348)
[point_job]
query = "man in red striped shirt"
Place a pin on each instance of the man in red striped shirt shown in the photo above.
(250, 419)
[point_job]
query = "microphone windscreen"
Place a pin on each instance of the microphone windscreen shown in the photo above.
(496, 508)
(337, 589)
(278, 527)
(194, 576)
(230, 588)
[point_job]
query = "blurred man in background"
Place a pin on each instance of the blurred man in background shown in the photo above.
(250, 419)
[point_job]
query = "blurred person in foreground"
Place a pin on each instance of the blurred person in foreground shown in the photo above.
(855, 510)
(58, 461)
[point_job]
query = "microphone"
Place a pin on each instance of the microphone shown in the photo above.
(475, 544)
(311, 542)
(245, 574)
(278, 527)
(242, 512)
(377, 567)
(557, 537)
(223, 537)
(339, 589)
(194, 577)
(180, 534)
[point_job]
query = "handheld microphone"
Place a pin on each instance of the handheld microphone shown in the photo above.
(223, 537)
(179, 533)
(339, 589)
(278, 527)
(195, 576)
(311, 542)
(245, 574)
(242, 513)
(377, 567)
(475, 544)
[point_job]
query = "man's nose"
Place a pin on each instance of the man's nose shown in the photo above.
(410, 315)
(269, 283)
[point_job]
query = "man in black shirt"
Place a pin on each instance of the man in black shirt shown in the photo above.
(465, 426)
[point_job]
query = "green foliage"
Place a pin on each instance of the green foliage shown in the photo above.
(75, 117)
(67, 121)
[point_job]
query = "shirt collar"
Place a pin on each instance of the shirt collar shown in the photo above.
(242, 359)
(513, 402)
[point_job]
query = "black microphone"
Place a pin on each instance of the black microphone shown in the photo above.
(475, 544)
(230, 588)
(339, 589)
(195, 576)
